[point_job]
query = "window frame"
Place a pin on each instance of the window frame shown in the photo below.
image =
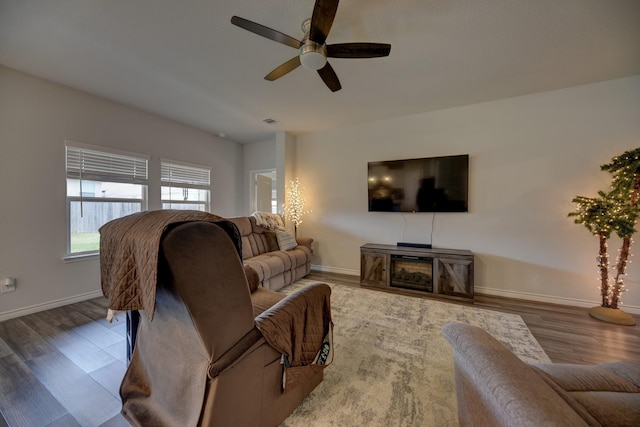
(197, 183)
(106, 152)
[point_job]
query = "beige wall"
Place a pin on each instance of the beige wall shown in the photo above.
(529, 156)
(36, 116)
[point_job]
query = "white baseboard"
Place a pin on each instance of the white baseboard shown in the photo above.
(548, 299)
(326, 269)
(12, 314)
(501, 292)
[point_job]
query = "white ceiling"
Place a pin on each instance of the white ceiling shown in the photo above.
(184, 60)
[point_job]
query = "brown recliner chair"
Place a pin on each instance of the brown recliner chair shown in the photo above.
(202, 360)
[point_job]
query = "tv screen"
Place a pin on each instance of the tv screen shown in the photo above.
(434, 184)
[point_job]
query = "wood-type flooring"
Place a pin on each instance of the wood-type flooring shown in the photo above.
(63, 367)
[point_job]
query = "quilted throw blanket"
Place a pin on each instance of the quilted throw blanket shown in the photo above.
(129, 248)
(269, 220)
(300, 327)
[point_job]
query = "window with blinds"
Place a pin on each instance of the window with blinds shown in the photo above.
(90, 164)
(185, 186)
(102, 185)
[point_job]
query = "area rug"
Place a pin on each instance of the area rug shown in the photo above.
(392, 366)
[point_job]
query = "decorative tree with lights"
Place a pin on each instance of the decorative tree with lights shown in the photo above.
(601, 216)
(294, 205)
(616, 211)
(625, 185)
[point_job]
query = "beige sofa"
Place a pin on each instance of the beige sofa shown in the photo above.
(276, 268)
(496, 388)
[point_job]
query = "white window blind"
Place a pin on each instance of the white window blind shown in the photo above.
(185, 186)
(88, 164)
(102, 184)
(182, 175)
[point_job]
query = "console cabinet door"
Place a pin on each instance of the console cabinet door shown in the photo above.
(455, 277)
(373, 268)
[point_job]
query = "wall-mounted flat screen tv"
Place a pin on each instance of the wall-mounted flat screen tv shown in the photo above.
(433, 184)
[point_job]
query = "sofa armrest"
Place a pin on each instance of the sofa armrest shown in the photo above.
(253, 280)
(297, 325)
(305, 241)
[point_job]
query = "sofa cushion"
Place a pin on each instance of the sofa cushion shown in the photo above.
(611, 408)
(272, 241)
(254, 245)
(263, 299)
(608, 393)
(293, 258)
(274, 265)
(254, 240)
(266, 266)
(594, 378)
(243, 224)
(286, 241)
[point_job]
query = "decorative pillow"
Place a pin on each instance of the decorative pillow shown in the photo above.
(272, 241)
(285, 240)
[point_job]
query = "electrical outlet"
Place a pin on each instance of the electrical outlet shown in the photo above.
(8, 285)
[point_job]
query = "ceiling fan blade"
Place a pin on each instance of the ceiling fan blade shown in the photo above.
(330, 78)
(267, 32)
(358, 50)
(283, 69)
(324, 11)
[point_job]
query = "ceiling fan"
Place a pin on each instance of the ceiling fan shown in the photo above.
(313, 49)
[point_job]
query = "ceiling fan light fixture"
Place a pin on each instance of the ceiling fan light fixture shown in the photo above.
(312, 49)
(313, 55)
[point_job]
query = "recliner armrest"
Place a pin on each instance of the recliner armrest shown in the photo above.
(297, 325)
(305, 241)
(235, 354)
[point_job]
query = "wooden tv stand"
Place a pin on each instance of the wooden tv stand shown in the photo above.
(437, 272)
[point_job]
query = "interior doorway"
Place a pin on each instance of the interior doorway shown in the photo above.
(264, 193)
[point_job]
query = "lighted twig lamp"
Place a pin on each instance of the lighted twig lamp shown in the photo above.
(294, 205)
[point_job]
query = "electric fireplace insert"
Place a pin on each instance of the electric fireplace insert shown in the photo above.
(412, 272)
